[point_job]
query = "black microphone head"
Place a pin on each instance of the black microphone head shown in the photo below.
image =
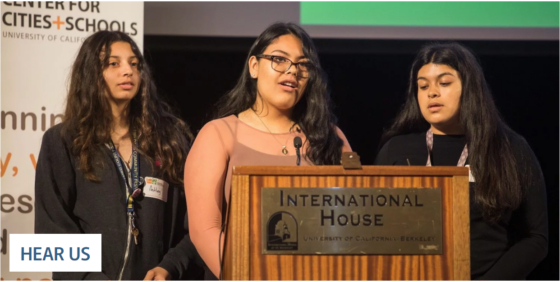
(297, 142)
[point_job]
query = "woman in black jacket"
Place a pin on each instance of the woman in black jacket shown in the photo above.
(114, 166)
(449, 119)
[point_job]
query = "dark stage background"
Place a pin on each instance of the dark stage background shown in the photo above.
(368, 79)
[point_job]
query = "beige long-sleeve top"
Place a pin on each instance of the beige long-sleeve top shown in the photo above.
(220, 145)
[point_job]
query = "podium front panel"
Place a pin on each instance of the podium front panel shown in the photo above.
(347, 221)
(244, 258)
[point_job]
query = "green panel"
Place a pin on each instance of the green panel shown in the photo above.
(452, 14)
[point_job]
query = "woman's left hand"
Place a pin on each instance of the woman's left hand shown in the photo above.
(157, 273)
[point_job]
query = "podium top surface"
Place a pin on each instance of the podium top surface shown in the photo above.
(339, 170)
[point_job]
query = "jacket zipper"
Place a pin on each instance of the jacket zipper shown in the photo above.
(127, 245)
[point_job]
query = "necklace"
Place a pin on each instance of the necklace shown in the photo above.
(128, 162)
(284, 150)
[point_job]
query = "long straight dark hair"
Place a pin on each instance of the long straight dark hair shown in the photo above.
(313, 113)
(162, 137)
(500, 176)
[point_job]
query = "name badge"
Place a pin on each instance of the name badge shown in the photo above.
(471, 177)
(156, 188)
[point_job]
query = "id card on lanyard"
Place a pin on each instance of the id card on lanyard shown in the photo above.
(132, 189)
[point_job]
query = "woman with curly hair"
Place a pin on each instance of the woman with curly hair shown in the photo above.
(114, 166)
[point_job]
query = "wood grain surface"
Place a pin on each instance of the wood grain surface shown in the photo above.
(243, 258)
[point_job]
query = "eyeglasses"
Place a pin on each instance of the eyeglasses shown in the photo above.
(283, 64)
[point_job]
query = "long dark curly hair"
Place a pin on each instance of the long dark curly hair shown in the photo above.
(313, 113)
(162, 136)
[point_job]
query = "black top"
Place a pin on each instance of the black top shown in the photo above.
(508, 249)
(69, 203)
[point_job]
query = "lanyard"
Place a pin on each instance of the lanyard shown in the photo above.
(430, 145)
(134, 190)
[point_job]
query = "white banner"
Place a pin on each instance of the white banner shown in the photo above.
(38, 46)
(55, 252)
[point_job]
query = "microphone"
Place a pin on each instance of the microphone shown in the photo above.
(297, 144)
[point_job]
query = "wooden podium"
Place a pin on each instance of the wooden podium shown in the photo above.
(243, 253)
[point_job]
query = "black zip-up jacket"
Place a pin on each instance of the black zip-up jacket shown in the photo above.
(66, 202)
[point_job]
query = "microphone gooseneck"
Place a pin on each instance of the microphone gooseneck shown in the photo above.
(297, 145)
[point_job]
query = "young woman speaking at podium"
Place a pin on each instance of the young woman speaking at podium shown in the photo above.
(114, 166)
(281, 95)
(449, 119)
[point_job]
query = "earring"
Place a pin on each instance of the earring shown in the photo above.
(253, 75)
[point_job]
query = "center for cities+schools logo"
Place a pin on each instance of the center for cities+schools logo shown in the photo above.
(282, 232)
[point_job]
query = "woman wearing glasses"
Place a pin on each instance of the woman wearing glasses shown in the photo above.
(449, 119)
(281, 94)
